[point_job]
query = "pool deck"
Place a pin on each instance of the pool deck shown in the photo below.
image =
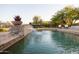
(67, 30)
(76, 32)
(7, 39)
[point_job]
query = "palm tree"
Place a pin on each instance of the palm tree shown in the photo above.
(66, 16)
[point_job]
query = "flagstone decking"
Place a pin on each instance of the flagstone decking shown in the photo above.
(7, 39)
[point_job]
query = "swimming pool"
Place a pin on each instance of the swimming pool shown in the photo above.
(46, 42)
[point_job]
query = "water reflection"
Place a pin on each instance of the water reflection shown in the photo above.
(17, 48)
(47, 42)
(70, 43)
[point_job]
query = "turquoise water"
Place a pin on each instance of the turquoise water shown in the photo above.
(46, 42)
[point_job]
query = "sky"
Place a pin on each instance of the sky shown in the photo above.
(28, 11)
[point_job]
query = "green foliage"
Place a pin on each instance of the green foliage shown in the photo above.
(46, 23)
(65, 16)
(36, 20)
(4, 29)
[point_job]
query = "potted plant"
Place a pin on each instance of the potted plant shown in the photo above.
(17, 18)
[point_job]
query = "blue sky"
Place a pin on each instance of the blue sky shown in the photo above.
(27, 11)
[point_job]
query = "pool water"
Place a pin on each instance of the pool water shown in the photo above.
(47, 42)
